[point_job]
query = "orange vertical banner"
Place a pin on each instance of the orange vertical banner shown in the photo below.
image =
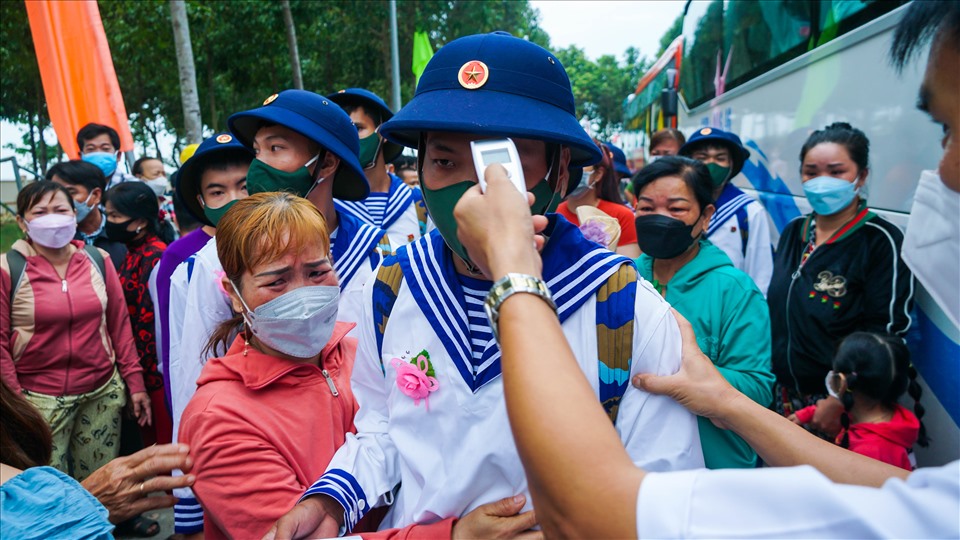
(79, 82)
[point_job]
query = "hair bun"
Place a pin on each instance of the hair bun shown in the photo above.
(840, 125)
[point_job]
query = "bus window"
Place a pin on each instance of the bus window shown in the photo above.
(702, 40)
(838, 17)
(761, 35)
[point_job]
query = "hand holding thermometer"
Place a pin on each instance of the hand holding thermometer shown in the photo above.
(504, 152)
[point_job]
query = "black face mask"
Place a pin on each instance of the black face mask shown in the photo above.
(118, 231)
(663, 237)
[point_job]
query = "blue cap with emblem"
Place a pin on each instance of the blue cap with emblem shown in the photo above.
(498, 85)
(318, 119)
(221, 147)
(361, 96)
(738, 153)
(619, 160)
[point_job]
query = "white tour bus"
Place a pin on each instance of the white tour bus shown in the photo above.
(773, 72)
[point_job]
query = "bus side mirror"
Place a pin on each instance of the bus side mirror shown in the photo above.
(668, 102)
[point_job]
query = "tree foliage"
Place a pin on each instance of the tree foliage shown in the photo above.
(241, 57)
(600, 87)
(671, 34)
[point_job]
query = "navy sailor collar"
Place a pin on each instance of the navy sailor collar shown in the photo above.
(355, 243)
(398, 200)
(573, 267)
(730, 201)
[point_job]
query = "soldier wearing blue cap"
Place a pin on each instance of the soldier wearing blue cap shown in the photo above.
(619, 161)
(432, 418)
(307, 145)
(190, 302)
(392, 205)
(740, 226)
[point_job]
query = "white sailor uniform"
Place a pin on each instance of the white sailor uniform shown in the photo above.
(454, 451)
(741, 228)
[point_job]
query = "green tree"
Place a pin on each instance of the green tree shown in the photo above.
(21, 91)
(600, 87)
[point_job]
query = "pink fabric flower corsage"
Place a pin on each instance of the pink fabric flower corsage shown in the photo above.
(415, 378)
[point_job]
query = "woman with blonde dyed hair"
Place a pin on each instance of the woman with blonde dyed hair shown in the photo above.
(254, 455)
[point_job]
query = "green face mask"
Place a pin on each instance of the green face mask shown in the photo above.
(545, 199)
(440, 204)
(262, 178)
(718, 174)
(216, 214)
(369, 148)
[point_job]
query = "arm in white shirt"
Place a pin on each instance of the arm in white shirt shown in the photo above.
(758, 260)
(658, 433)
(364, 471)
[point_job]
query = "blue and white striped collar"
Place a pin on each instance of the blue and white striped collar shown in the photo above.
(355, 243)
(573, 267)
(730, 201)
(399, 199)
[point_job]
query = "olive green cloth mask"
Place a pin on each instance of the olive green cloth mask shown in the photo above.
(216, 214)
(718, 174)
(262, 178)
(440, 203)
(369, 148)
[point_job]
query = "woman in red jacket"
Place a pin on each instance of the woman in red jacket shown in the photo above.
(65, 338)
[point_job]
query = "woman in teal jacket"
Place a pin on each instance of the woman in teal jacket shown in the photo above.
(725, 307)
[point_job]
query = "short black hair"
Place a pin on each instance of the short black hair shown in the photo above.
(92, 130)
(693, 173)
(370, 110)
(31, 194)
(842, 133)
(922, 21)
(138, 164)
(77, 172)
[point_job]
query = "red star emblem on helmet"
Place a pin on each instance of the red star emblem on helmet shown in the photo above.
(473, 75)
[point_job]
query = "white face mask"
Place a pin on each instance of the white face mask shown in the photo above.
(931, 246)
(298, 323)
(159, 185)
(52, 230)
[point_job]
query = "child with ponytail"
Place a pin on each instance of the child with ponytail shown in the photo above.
(870, 374)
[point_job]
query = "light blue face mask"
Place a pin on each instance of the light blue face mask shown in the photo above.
(828, 195)
(83, 209)
(298, 323)
(105, 161)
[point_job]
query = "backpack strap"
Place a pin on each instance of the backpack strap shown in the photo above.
(385, 291)
(616, 301)
(96, 258)
(17, 264)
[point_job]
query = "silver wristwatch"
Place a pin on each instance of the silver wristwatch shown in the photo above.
(509, 285)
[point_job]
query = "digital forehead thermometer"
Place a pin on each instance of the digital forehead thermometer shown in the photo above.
(502, 151)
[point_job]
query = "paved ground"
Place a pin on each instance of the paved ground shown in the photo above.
(165, 518)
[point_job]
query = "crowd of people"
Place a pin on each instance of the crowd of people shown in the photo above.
(305, 333)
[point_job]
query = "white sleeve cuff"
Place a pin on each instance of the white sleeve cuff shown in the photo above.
(664, 503)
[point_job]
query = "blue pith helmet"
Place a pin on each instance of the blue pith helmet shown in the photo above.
(738, 154)
(369, 100)
(498, 85)
(619, 160)
(220, 147)
(318, 119)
